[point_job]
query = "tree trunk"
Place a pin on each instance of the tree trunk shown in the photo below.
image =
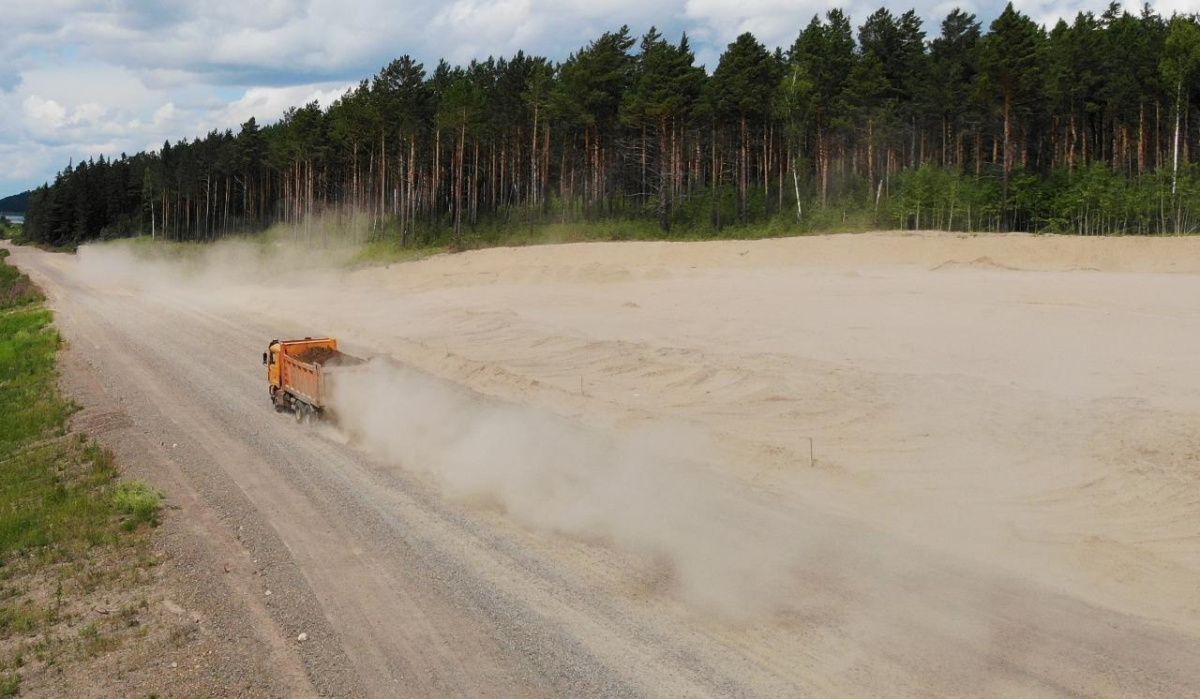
(795, 184)
(1175, 148)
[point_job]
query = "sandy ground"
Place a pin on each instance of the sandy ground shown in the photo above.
(844, 465)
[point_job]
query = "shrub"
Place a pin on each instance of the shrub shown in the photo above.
(139, 502)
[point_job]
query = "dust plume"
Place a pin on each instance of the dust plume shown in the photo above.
(283, 256)
(647, 491)
(959, 410)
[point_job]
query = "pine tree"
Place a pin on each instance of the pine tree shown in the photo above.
(663, 93)
(1010, 62)
(826, 53)
(743, 87)
(953, 71)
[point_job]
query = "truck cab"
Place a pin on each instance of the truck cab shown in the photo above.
(270, 360)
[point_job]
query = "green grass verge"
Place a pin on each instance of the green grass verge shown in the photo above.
(55, 492)
(15, 288)
(65, 523)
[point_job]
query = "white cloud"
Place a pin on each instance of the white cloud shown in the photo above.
(268, 103)
(54, 116)
(42, 113)
(24, 161)
(164, 115)
(775, 22)
(497, 25)
(73, 84)
(88, 112)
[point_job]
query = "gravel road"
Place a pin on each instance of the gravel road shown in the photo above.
(402, 591)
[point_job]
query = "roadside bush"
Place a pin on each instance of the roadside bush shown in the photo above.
(139, 502)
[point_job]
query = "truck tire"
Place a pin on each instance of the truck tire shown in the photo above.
(275, 402)
(305, 413)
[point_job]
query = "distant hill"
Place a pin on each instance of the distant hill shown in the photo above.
(16, 204)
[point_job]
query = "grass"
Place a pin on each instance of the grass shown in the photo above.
(15, 288)
(68, 529)
(354, 240)
(10, 684)
(139, 503)
(389, 250)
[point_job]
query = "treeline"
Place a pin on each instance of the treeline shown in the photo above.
(1089, 127)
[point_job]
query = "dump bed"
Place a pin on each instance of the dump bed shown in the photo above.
(304, 367)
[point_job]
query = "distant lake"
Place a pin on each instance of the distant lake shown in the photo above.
(15, 218)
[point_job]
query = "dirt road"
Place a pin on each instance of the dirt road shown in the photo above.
(1003, 498)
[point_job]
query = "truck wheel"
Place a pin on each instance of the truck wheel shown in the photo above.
(298, 412)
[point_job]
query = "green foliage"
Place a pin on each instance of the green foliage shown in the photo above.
(138, 502)
(1010, 59)
(592, 81)
(928, 197)
(1181, 54)
(826, 53)
(15, 288)
(744, 82)
(666, 83)
(1090, 201)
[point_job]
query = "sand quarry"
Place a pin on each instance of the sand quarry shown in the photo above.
(900, 463)
(1028, 402)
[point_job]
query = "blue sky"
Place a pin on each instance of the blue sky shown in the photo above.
(84, 78)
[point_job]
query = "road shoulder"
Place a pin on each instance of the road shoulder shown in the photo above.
(132, 609)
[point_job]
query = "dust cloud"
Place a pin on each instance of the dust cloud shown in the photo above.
(960, 404)
(647, 491)
(284, 256)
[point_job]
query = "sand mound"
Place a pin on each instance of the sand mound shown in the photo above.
(968, 410)
(982, 262)
(615, 264)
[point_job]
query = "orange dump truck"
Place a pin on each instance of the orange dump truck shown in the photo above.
(298, 372)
